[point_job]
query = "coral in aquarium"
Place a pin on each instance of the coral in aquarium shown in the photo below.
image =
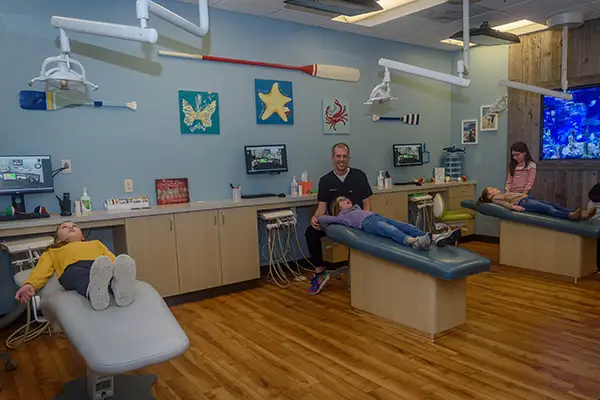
(571, 129)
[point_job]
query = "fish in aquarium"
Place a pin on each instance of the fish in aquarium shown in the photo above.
(571, 128)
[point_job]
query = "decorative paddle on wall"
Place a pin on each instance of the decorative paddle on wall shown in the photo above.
(324, 71)
(409, 119)
(51, 101)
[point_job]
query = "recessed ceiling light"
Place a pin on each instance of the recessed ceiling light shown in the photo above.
(392, 9)
(521, 27)
(456, 42)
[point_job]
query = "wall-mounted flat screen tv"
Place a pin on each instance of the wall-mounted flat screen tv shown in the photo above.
(571, 129)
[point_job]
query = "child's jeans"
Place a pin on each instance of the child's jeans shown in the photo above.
(545, 207)
(77, 277)
(397, 231)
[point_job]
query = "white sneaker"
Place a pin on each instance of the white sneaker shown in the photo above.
(422, 242)
(123, 284)
(101, 273)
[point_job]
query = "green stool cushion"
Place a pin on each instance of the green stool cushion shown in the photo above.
(456, 215)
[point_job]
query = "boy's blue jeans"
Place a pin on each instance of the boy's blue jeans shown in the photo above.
(397, 231)
(545, 207)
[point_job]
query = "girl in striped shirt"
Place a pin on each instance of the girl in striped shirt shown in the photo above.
(522, 170)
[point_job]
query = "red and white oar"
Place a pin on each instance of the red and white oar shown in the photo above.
(319, 70)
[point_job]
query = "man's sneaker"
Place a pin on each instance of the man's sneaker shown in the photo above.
(447, 238)
(318, 282)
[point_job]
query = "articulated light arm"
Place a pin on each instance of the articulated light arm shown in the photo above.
(547, 92)
(426, 73)
(168, 15)
(141, 33)
(107, 29)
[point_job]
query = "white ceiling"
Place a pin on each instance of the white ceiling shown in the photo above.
(427, 27)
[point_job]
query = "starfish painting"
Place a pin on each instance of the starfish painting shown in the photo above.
(274, 102)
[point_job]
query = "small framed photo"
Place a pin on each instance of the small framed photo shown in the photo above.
(488, 119)
(469, 134)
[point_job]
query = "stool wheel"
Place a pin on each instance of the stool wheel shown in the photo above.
(10, 366)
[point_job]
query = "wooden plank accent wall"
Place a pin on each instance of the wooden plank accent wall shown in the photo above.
(537, 61)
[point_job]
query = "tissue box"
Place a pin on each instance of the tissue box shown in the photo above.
(306, 187)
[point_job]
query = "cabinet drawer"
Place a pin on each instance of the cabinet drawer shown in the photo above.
(462, 191)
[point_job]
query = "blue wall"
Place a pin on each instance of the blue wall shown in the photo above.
(486, 161)
(109, 145)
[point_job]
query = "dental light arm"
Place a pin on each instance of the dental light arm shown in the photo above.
(65, 77)
(547, 92)
(426, 73)
(168, 15)
(565, 21)
(381, 92)
(117, 31)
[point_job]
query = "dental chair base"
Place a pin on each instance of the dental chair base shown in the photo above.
(121, 387)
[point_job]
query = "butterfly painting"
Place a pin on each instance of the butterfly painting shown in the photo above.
(199, 112)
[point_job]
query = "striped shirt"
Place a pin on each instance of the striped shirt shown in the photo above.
(523, 179)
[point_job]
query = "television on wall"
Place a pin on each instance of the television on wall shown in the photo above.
(408, 155)
(571, 128)
(266, 159)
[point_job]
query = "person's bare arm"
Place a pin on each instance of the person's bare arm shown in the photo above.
(321, 210)
(367, 204)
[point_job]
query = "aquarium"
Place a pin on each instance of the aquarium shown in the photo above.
(571, 128)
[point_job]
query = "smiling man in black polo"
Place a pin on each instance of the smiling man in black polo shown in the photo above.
(344, 181)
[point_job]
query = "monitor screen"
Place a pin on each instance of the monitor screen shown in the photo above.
(25, 174)
(406, 155)
(266, 159)
(571, 128)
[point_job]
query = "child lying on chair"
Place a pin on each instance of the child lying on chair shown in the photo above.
(522, 202)
(345, 213)
(87, 267)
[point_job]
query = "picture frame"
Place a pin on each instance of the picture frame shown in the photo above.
(469, 133)
(488, 121)
(172, 191)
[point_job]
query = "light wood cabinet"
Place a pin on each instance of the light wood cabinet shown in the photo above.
(198, 252)
(391, 205)
(238, 233)
(151, 243)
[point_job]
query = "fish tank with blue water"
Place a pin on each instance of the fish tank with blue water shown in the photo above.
(571, 128)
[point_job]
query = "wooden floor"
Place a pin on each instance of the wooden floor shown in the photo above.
(526, 337)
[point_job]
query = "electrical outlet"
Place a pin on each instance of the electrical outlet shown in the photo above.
(128, 184)
(68, 167)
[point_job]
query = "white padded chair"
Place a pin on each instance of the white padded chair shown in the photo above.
(113, 341)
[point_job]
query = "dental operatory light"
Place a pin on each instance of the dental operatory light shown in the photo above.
(63, 72)
(381, 93)
(462, 65)
(565, 21)
(69, 74)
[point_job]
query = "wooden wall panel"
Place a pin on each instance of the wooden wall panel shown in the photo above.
(537, 61)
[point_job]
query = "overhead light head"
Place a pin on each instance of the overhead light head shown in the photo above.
(63, 72)
(339, 7)
(485, 35)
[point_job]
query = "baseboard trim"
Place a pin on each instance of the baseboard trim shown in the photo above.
(209, 293)
(480, 238)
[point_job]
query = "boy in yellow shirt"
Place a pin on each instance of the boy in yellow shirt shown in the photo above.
(87, 267)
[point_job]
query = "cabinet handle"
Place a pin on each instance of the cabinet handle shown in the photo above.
(222, 218)
(215, 215)
(170, 224)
